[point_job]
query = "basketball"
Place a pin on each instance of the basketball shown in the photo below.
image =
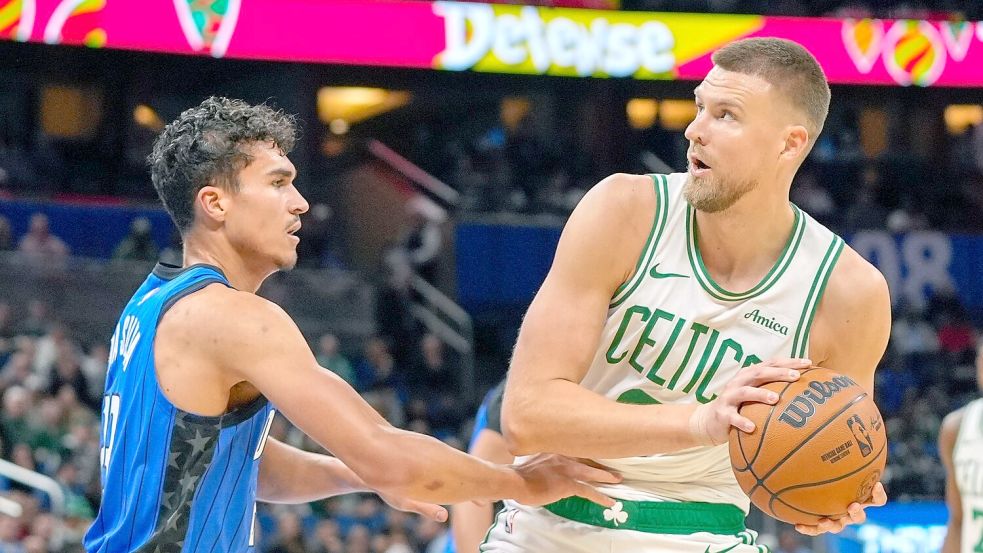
(812, 454)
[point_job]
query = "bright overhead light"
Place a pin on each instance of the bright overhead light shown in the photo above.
(354, 104)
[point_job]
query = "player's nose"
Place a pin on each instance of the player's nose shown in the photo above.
(299, 204)
(695, 131)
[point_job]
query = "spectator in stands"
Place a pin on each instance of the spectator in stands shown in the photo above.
(94, 367)
(432, 537)
(35, 544)
(14, 424)
(39, 243)
(956, 338)
(68, 372)
(393, 317)
(421, 238)
(330, 358)
(6, 235)
(48, 347)
(17, 370)
(435, 387)
(37, 321)
(358, 540)
(10, 535)
(289, 538)
(139, 245)
(383, 384)
(326, 538)
(433, 372)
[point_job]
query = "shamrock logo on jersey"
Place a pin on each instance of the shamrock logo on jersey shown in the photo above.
(616, 514)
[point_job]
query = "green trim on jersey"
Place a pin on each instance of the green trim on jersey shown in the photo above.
(498, 518)
(654, 517)
(658, 226)
(776, 272)
(801, 342)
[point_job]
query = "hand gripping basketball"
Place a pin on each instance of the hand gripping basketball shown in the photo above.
(710, 423)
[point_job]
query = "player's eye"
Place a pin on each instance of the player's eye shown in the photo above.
(727, 115)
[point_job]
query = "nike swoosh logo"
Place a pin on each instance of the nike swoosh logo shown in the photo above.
(654, 273)
(722, 550)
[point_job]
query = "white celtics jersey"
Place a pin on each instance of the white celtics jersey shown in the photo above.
(674, 336)
(967, 456)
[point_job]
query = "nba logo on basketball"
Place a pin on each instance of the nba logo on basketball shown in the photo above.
(860, 434)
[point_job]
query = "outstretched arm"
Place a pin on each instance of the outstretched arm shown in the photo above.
(250, 339)
(471, 520)
(291, 475)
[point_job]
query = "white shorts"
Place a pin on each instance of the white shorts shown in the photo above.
(522, 529)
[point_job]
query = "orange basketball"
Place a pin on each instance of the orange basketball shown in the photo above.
(820, 448)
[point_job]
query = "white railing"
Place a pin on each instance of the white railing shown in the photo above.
(40, 482)
(438, 313)
(413, 172)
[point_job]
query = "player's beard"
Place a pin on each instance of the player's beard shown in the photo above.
(711, 195)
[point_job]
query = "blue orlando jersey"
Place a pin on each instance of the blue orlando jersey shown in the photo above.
(172, 481)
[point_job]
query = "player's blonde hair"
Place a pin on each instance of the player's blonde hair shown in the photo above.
(787, 66)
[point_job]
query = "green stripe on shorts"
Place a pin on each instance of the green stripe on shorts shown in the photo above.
(654, 517)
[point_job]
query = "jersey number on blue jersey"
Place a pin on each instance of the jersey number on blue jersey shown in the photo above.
(110, 416)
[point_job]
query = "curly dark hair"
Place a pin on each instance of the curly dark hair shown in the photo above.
(205, 146)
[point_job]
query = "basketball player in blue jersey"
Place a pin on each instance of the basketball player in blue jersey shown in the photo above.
(671, 300)
(470, 521)
(199, 364)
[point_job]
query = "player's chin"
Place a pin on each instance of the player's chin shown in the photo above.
(287, 261)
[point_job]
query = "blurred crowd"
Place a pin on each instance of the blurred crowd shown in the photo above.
(534, 168)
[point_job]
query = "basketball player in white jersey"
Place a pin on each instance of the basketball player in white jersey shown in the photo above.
(961, 448)
(671, 299)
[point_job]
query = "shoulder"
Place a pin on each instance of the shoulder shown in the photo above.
(219, 318)
(952, 421)
(621, 193)
(950, 430)
(853, 322)
(856, 285)
(605, 234)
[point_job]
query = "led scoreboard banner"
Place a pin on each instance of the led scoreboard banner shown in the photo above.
(489, 38)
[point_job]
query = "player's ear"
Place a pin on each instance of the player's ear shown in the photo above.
(796, 142)
(212, 202)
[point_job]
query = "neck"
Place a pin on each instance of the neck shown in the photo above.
(212, 250)
(741, 244)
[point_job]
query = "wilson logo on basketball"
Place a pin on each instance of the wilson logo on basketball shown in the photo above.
(803, 407)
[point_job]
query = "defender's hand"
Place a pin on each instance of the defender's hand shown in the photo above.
(548, 478)
(429, 510)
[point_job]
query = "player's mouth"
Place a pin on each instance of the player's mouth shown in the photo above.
(292, 231)
(697, 167)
